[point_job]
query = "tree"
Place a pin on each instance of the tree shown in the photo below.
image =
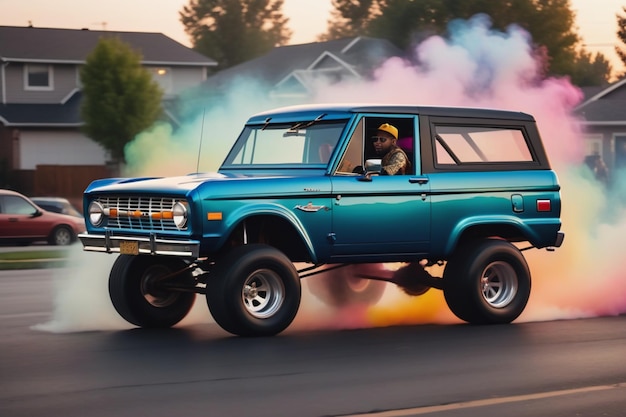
(235, 31)
(591, 70)
(621, 34)
(120, 97)
(348, 18)
(405, 22)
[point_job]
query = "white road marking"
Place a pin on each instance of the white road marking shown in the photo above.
(488, 402)
(22, 315)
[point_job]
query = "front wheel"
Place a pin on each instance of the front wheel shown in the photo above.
(254, 290)
(487, 283)
(138, 290)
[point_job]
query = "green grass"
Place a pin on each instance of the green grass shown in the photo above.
(33, 259)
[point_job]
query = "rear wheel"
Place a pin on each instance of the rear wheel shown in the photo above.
(254, 290)
(488, 282)
(342, 286)
(137, 286)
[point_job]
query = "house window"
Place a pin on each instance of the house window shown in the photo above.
(620, 151)
(38, 77)
(593, 145)
(163, 77)
(594, 157)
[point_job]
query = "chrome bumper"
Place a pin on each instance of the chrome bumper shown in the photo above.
(136, 245)
(560, 236)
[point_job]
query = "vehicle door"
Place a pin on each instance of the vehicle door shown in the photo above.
(377, 215)
(19, 218)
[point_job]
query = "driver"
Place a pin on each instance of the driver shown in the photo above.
(394, 160)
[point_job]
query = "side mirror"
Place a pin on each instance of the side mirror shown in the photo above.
(37, 213)
(372, 167)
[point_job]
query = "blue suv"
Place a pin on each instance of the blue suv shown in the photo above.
(302, 193)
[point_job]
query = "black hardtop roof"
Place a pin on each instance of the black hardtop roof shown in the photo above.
(399, 109)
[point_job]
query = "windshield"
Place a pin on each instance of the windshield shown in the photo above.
(303, 143)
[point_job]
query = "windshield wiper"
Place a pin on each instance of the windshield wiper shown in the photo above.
(294, 130)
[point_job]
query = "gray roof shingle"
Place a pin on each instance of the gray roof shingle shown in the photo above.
(50, 115)
(604, 110)
(32, 44)
(605, 106)
(363, 54)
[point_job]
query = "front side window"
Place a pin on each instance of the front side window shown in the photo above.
(12, 204)
(38, 77)
(457, 145)
(352, 160)
(362, 152)
(301, 143)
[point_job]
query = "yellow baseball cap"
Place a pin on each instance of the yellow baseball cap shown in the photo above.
(392, 130)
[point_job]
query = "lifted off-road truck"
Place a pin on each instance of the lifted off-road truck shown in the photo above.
(301, 194)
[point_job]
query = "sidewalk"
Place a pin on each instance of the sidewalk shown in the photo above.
(35, 247)
(33, 257)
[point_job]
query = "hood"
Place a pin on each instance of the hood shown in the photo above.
(151, 184)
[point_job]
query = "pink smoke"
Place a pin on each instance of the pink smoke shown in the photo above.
(477, 67)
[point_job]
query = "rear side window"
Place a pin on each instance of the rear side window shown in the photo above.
(459, 145)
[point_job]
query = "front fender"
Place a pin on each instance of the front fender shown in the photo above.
(268, 209)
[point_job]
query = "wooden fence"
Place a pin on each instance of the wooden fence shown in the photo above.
(68, 181)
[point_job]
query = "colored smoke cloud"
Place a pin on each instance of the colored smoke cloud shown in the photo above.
(475, 66)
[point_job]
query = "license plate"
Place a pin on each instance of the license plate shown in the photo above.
(129, 248)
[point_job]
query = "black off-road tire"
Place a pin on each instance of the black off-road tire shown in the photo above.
(138, 297)
(254, 290)
(487, 282)
(342, 286)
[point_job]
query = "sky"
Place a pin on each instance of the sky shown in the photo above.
(307, 18)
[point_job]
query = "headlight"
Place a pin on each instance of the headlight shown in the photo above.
(96, 213)
(179, 211)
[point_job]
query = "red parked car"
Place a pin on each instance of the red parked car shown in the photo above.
(22, 222)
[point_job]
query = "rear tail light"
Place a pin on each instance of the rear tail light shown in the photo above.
(544, 205)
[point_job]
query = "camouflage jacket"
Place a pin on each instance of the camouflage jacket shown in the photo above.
(395, 162)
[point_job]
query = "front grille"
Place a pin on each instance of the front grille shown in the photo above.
(139, 213)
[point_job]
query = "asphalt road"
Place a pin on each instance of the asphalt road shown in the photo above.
(83, 361)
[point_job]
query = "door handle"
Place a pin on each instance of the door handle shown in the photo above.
(418, 180)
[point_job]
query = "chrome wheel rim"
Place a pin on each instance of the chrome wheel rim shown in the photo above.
(263, 293)
(499, 284)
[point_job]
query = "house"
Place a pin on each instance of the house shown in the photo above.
(604, 118)
(40, 94)
(292, 71)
